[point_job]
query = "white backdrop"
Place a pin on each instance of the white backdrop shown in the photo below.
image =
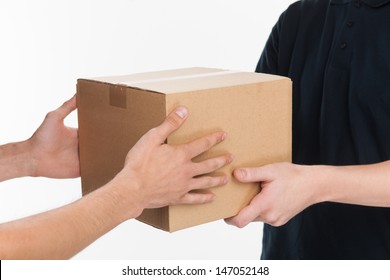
(46, 45)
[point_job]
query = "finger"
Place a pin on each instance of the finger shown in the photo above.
(203, 144)
(245, 216)
(65, 109)
(197, 198)
(172, 122)
(211, 165)
(254, 174)
(205, 182)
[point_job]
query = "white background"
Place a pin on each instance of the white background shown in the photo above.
(46, 45)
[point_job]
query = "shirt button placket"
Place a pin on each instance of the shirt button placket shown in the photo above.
(350, 24)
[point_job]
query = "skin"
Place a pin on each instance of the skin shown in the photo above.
(287, 189)
(154, 175)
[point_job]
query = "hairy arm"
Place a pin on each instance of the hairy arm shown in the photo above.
(154, 175)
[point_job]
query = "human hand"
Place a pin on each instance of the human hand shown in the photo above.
(54, 147)
(287, 189)
(165, 174)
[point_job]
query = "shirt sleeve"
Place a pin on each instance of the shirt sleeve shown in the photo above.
(268, 62)
(278, 50)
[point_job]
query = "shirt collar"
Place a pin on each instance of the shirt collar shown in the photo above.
(372, 3)
(340, 1)
(376, 3)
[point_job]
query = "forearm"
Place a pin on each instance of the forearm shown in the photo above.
(63, 232)
(15, 160)
(360, 184)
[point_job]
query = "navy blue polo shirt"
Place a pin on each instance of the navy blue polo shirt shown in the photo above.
(337, 53)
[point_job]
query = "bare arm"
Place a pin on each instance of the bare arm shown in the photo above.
(154, 175)
(288, 189)
(360, 184)
(51, 152)
(62, 232)
(15, 160)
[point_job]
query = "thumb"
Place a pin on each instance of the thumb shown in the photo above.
(171, 123)
(248, 214)
(65, 109)
(253, 174)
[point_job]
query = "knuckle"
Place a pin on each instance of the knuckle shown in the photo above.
(173, 121)
(187, 199)
(208, 166)
(209, 181)
(217, 181)
(208, 143)
(213, 164)
(249, 173)
(270, 220)
(274, 223)
(240, 223)
(181, 153)
(190, 186)
(225, 160)
(204, 182)
(51, 115)
(66, 104)
(273, 219)
(184, 152)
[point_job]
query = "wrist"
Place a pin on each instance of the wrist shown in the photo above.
(16, 160)
(31, 158)
(321, 176)
(124, 191)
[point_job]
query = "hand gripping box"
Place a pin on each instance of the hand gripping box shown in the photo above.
(254, 109)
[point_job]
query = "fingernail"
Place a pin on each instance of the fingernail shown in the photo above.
(224, 135)
(231, 158)
(181, 112)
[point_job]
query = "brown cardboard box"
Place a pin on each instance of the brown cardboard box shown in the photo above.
(254, 109)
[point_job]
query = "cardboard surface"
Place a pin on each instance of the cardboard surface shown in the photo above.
(254, 109)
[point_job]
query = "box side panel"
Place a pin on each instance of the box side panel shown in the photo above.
(107, 132)
(156, 217)
(257, 119)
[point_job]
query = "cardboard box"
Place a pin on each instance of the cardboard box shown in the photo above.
(254, 109)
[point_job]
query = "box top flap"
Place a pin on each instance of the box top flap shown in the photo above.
(187, 79)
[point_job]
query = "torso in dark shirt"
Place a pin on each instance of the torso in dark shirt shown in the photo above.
(337, 53)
